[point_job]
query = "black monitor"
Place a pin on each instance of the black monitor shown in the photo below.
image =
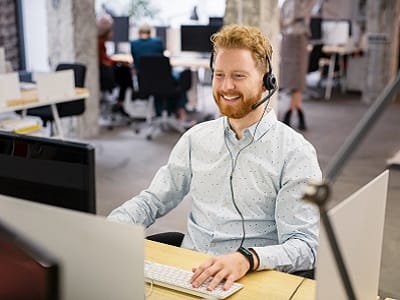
(197, 37)
(26, 270)
(315, 28)
(120, 29)
(216, 21)
(161, 33)
(50, 171)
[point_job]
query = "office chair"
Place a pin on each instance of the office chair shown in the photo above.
(156, 82)
(170, 238)
(65, 109)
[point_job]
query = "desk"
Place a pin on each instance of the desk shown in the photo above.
(307, 291)
(340, 52)
(190, 62)
(195, 64)
(257, 285)
(29, 99)
(123, 58)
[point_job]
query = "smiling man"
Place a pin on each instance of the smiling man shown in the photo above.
(244, 171)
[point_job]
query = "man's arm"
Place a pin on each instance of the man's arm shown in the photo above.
(297, 221)
(167, 189)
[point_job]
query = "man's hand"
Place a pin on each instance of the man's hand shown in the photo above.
(229, 267)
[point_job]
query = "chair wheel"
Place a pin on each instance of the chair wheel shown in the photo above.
(149, 137)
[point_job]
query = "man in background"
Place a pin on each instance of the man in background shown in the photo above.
(146, 45)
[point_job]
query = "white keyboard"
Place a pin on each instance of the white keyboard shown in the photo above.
(179, 280)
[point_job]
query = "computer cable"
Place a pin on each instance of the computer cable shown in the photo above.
(234, 163)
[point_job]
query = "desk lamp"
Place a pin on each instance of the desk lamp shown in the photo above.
(319, 192)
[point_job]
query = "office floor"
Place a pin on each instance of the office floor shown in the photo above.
(126, 163)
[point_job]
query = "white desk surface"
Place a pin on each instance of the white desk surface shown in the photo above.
(29, 99)
(190, 62)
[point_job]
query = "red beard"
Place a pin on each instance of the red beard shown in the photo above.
(241, 108)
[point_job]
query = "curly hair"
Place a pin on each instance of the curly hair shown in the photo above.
(245, 37)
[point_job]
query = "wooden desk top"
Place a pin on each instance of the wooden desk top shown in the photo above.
(29, 99)
(123, 58)
(342, 50)
(306, 290)
(257, 285)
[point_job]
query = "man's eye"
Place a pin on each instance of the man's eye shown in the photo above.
(218, 75)
(238, 76)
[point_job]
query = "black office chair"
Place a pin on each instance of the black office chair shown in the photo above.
(65, 109)
(156, 82)
(170, 238)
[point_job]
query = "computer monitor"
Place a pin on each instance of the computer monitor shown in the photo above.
(120, 29)
(335, 32)
(315, 28)
(358, 222)
(197, 37)
(27, 270)
(100, 259)
(55, 172)
(216, 21)
(161, 33)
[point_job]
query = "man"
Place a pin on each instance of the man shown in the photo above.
(145, 45)
(245, 172)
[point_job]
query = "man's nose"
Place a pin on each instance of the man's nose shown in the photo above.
(227, 83)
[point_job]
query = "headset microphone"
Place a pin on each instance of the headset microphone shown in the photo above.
(270, 93)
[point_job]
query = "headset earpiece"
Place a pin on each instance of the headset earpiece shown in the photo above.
(269, 79)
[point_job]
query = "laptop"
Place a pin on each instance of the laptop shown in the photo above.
(358, 222)
(98, 259)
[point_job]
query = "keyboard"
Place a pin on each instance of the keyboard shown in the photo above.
(178, 279)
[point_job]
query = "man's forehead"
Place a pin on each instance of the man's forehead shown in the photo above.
(237, 58)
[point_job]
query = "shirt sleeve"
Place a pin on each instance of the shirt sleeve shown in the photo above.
(297, 221)
(167, 189)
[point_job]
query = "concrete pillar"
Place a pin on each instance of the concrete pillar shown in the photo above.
(263, 14)
(383, 46)
(72, 35)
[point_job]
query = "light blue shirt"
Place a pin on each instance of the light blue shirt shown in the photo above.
(268, 181)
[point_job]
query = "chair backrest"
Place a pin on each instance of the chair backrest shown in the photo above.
(79, 72)
(155, 77)
(185, 80)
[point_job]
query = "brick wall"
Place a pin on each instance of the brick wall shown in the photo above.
(9, 31)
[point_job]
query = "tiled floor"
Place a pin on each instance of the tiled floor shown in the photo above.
(127, 162)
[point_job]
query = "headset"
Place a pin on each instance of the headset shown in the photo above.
(269, 80)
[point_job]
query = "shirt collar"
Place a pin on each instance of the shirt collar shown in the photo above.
(268, 120)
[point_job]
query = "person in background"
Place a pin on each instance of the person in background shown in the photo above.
(244, 171)
(145, 44)
(121, 70)
(295, 28)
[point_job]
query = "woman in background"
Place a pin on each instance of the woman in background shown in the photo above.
(112, 71)
(295, 28)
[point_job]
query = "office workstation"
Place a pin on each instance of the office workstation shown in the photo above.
(94, 252)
